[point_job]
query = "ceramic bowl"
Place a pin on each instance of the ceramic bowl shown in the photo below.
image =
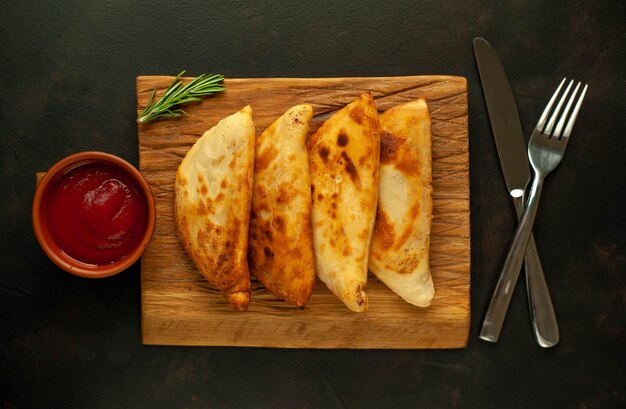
(42, 225)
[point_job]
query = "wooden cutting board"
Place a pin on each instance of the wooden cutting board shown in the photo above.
(179, 307)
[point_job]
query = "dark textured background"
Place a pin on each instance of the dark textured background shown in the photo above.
(67, 83)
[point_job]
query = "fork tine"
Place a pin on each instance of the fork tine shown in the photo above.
(546, 111)
(561, 123)
(572, 119)
(555, 113)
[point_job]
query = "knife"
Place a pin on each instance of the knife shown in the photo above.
(511, 147)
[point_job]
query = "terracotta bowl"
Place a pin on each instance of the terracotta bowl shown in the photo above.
(49, 182)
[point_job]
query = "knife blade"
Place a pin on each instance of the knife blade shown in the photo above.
(511, 147)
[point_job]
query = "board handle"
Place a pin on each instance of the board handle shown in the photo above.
(39, 177)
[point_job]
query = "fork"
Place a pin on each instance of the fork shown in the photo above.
(545, 151)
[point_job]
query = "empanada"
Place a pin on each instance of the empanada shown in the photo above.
(399, 255)
(344, 155)
(280, 250)
(213, 190)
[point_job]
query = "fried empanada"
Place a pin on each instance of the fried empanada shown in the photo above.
(344, 156)
(399, 255)
(213, 190)
(280, 250)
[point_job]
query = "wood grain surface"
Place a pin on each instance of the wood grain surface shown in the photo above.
(179, 307)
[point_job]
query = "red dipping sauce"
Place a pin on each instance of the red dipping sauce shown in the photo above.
(96, 214)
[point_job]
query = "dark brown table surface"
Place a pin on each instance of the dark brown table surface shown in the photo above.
(67, 84)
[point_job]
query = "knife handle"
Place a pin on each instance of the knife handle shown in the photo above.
(543, 318)
(501, 297)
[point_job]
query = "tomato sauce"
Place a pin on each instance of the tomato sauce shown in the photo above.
(96, 214)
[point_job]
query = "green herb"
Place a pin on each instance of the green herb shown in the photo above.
(177, 94)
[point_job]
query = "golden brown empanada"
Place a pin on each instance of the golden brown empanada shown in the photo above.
(344, 155)
(280, 250)
(399, 255)
(213, 189)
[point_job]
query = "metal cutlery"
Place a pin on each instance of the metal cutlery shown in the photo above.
(545, 151)
(512, 152)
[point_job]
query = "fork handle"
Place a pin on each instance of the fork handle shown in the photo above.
(501, 297)
(543, 318)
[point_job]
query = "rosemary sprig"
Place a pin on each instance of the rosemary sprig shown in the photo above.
(177, 94)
